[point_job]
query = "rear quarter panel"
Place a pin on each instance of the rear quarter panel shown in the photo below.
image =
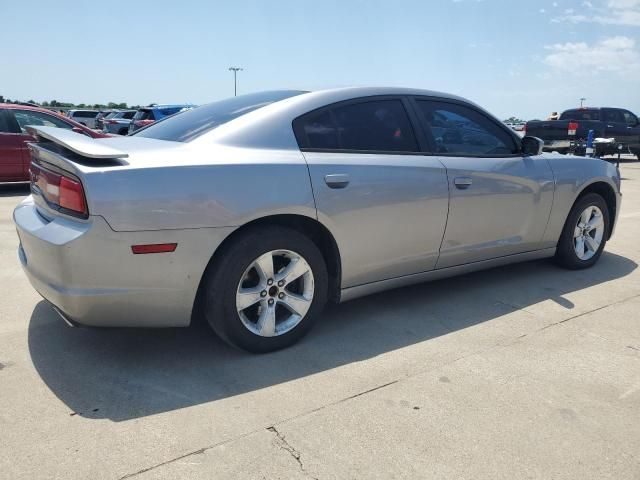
(215, 188)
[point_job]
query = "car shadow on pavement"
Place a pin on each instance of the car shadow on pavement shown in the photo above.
(121, 374)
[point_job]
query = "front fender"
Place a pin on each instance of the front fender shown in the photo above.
(572, 176)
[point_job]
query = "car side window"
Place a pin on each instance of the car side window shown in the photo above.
(26, 117)
(460, 130)
(8, 123)
(630, 119)
(614, 116)
(376, 125)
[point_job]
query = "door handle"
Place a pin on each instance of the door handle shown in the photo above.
(337, 180)
(609, 126)
(462, 182)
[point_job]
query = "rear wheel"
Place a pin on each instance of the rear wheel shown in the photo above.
(123, 131)
(585, 233)
(266, 289)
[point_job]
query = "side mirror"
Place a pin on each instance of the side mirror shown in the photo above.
(78, 130)
(532, 146)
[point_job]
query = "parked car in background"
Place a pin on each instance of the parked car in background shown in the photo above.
(253, 211)
(118, 122)
(84, 117)
(148, 115)
(570, 131)
(100, 118)
(14, 153)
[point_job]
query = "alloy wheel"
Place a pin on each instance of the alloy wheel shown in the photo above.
(274, 293)
(588, 233)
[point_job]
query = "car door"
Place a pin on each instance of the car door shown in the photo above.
(32, 117)
(499, 200)
(616, 126)
(383, 200)
(633, 131)
(11, 146)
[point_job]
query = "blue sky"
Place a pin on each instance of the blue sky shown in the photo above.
(513, 57)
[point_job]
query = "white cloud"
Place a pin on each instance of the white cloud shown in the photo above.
(611, 12)
(613, 55)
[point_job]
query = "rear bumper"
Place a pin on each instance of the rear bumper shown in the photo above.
(88, 272)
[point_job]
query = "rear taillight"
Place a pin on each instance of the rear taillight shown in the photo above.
(143, 123)
(524, 129)
(110, 122)
(572, 128)
(72, 195)
(61, 192)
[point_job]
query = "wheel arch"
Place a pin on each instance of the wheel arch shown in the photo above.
(310, 227)
(606, 191)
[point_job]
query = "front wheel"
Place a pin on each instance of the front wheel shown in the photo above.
(585, 233)
(266, 289)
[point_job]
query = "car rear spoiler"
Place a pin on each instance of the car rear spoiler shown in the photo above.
(79, 144)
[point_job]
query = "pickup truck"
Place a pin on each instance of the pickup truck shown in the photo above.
(569, 132)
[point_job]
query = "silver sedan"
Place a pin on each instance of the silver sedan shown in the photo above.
(255, 211)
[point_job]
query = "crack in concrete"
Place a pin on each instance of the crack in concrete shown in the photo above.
(588, 312)
(285, 445)
(295, 454)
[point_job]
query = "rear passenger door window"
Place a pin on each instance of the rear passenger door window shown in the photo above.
(462, 131)
(361, 126)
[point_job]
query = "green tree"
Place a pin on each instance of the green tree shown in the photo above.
(513, 120)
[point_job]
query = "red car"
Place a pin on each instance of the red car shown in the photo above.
(14, 154)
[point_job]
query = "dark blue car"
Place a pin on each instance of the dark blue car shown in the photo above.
(148, 115)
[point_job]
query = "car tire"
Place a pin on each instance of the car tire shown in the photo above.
(236, 275)
(589, 217)
(123, 131)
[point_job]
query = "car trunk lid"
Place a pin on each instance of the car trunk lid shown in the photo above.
(59, 153)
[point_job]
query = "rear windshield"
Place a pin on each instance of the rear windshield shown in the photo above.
(170, 111)
(85, 114)
(580, 115)
(144, 115)
(193, 123)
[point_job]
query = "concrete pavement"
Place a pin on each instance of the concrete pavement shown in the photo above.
(526, 371)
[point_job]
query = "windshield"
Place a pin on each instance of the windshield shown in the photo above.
(193, 123)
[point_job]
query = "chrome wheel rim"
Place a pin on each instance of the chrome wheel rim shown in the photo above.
(588, 233)
(275, 293)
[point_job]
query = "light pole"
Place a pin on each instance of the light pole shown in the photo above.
(582, 101)
(235, 71)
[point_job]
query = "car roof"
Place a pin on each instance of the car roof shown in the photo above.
(26, 107)
(264, 127)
